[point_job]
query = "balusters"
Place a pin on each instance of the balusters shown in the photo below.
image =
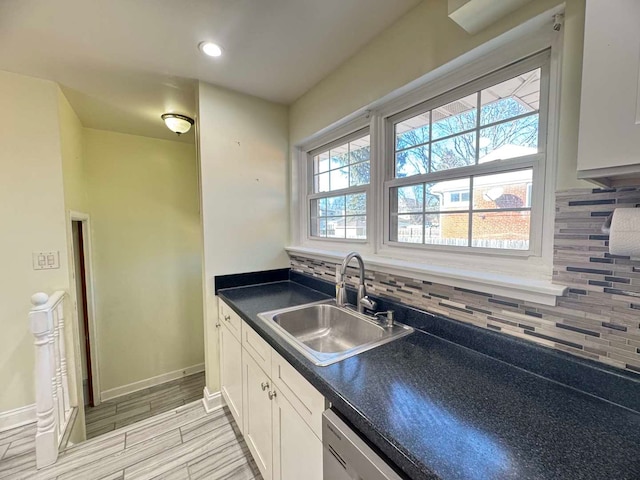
(63, 360)
(53, 408)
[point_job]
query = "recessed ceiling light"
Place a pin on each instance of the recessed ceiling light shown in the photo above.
(210, 49)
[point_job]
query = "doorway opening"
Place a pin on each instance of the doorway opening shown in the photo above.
(84, 296)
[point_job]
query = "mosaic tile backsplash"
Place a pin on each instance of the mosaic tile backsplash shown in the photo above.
(599, 316)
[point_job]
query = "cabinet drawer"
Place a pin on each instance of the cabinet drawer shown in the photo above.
(256, 347)
(230, 319)
(305, 399)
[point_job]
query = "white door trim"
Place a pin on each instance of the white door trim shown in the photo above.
(85, 220)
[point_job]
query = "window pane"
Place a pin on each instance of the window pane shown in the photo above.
(339, 156)
(335, 206)
(502, 229)
(357, 227)
(455, 117)
(455, 152)
(359, 174)
(512, 139)
(321, 183)
(413, 131)
(447, 229)
(513, 97)
(407, 228)
(449, 195)
(319, 227)
(409, 199)
(321, 162)
(336, 227)
(412, 162)
(356, 204)
(339, 178)
(319, 207)
(360, 150)
(502, 191)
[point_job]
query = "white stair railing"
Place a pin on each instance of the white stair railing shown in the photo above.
(46, 320)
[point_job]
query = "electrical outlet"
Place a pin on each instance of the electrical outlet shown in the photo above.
(46, 260)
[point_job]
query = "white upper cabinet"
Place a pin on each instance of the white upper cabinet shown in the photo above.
(609, 142)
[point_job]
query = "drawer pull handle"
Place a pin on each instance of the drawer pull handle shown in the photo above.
(264, 385)
(272, 395)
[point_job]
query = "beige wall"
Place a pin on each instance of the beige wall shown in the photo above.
(421, 41)
(243, 168)
(570, 97)
(71, 135)
(32, 219)
(143, 202)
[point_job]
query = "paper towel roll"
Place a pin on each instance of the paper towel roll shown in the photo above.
(624, 237)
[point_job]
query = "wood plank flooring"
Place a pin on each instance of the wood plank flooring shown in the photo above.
(128, 409)
(185, 443)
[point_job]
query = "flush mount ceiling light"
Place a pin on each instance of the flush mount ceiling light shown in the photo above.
(177, 123)
(210, 49)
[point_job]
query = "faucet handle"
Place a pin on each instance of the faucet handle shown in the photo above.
(369, 304)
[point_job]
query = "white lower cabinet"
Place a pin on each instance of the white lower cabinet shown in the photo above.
(297, 451)
(277, 418)
(258, 426)
(231, 373)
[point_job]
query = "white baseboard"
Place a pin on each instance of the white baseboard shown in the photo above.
(150, 382)
(17, 417)
(211, 401)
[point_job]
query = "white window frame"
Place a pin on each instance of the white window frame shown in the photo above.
(536, 162)
(311, 195)
(528, 276)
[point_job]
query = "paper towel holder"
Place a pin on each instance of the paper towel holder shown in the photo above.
(606, 227)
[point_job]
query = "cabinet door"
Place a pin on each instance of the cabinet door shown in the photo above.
(257, 415)
(231, 373)
(297, 451)
(610, 104)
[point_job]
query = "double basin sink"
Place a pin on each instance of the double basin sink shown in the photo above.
(326, 333)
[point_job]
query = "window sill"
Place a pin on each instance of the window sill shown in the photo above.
(531, 290)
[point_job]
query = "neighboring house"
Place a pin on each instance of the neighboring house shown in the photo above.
(502, 203)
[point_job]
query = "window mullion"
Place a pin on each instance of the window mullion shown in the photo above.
(498, 166)
(424, 213)
(430, 137)
(471, 195)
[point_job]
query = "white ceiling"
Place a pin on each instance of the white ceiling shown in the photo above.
(122, 63)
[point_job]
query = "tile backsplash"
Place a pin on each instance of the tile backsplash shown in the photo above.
(599, 316)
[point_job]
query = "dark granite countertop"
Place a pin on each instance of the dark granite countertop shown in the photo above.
(440, 410)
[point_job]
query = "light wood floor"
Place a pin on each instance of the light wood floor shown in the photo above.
(183, 444)
(128, 409)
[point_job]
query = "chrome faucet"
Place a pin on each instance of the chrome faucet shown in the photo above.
(341, 291)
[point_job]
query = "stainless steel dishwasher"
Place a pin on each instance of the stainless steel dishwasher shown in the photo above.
(347, 457)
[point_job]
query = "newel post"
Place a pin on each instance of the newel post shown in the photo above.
(41, 324)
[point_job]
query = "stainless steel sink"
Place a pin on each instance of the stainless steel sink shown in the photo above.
(326, 334)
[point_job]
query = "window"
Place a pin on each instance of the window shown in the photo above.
(338, 191)
(463, 166)
(462, 171)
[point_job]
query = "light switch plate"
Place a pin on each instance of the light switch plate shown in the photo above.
(46, 260)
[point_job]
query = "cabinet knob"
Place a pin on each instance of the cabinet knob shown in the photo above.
(227, 318)
(272, 395)
(218, 325)
(264, 385)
